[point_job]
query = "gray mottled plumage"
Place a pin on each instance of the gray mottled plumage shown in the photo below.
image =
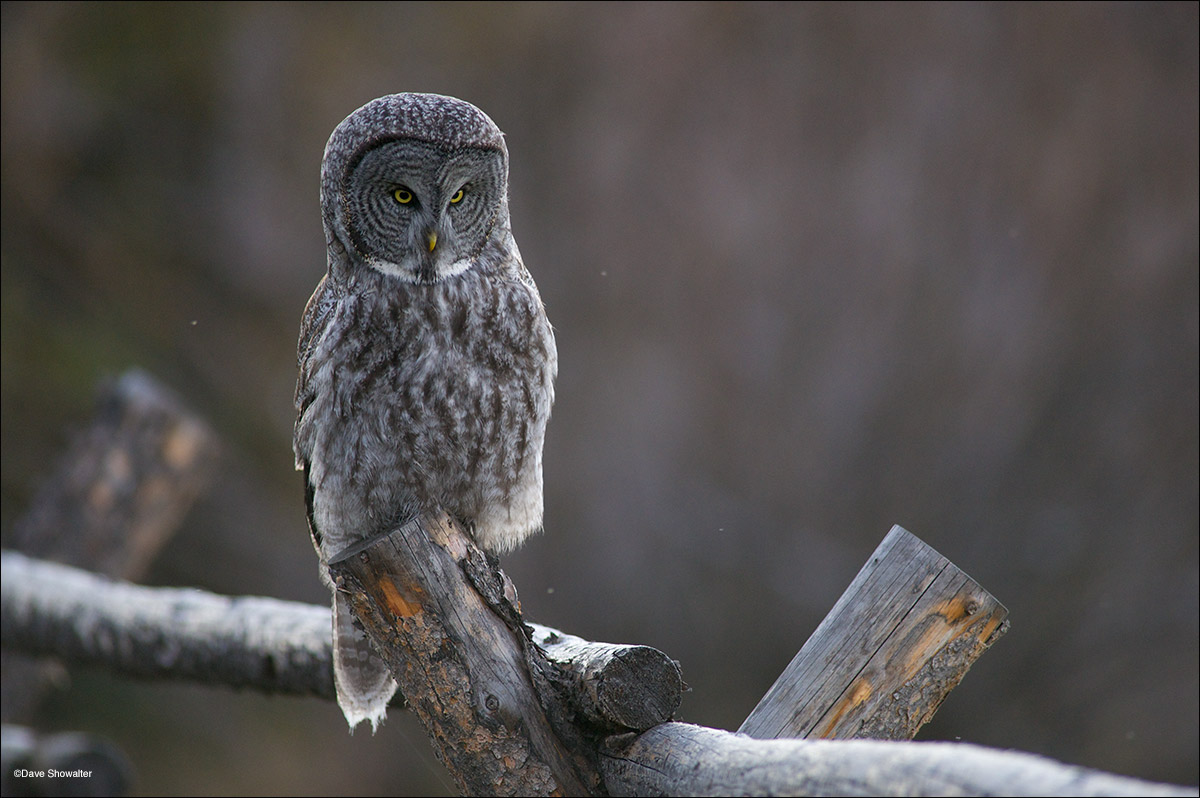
(426, 361)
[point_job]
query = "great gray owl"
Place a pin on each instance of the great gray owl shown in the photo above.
(426, 361)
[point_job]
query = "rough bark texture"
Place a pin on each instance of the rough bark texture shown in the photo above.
(271, 645)
(164, 633)
(670, 759)
(897, 642)
(445, 619)
(680, 759)
(620, 687)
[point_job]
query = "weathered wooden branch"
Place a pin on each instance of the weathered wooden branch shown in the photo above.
(681, 759)
(619, 686)
(262, 643)
(897, 642)
(125, 482)
(114, 499)
(164, 633)
(670, 759)
(512, 708)
(445, 620)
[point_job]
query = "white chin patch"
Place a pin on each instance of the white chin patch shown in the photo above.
(411, 272)
(454, 269)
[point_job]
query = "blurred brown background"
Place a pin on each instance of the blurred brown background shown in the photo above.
(814, 269)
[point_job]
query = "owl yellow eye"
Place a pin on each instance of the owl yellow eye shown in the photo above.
(457, 198)
(402, 195)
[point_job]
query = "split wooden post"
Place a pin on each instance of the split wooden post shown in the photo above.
(445, 619)
(897, 642)
(669, 759)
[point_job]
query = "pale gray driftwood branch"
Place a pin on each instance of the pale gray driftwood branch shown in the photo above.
(114, 499)
(621, 686)
(164, 633)
(267, 644)
(282, 646)
(681, 759)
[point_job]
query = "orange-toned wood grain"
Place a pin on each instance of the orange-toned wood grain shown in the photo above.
(899, 639)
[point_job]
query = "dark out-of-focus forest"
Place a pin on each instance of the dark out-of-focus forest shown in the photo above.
(814, 270)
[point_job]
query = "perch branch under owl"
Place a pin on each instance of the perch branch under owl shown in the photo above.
(935, 622)
(445, 620)
(128, 628)
(266, 644)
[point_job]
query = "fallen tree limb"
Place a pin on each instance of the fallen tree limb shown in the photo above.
(114, 499)
(46, 608)
(681, 759)
(121, 489)
(622, 686)
(266, 644)
(164, 633)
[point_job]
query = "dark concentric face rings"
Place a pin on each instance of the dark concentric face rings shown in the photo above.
(419, 209)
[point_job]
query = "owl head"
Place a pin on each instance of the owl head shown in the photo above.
(413, 185)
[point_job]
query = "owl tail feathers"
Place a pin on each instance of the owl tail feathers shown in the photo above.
(364, 684)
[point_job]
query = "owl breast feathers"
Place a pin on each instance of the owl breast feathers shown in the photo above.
(426, 360)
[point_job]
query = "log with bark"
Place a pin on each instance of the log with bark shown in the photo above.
(147, 632)
(512, 707)
(114, 499)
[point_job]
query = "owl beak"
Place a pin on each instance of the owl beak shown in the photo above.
(431, 238)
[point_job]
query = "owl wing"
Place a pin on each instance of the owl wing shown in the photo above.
(317, 314)
(316, 317)
(364, 683)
